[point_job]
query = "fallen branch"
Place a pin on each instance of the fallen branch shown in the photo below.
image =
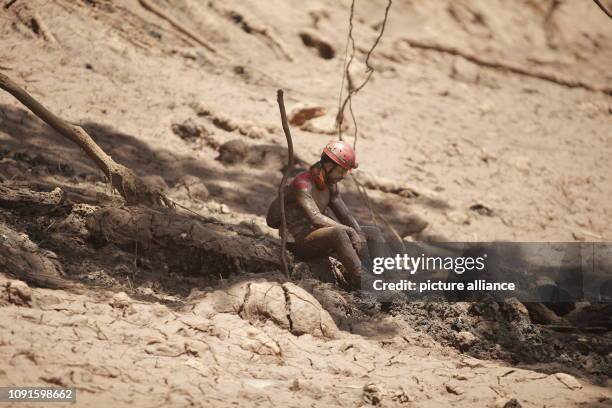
(23, 259)
(32, 202)
(162, 14)
(506, 66)
(131, 187)
(281, 187)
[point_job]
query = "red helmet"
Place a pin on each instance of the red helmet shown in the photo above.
(341, 153)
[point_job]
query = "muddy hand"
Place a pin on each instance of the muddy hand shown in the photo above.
(357, 240)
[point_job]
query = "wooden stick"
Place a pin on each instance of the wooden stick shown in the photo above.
(9, 4)
(281, 187)
(76, 135)
(601, 6)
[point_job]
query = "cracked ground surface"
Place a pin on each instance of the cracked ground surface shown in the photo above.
(216, 350)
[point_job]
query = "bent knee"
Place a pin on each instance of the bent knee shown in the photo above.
(339, 233)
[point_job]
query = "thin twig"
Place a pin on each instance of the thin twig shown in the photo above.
(281, 187)
(365, 198)
(601, 6)
(345, 67)
(160, 13)
(352, 90)
(369, 69)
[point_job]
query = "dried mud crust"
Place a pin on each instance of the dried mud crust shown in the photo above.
(223, 347)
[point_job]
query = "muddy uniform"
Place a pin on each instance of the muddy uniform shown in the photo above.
(316, 234)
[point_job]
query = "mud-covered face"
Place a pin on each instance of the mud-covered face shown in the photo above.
(335, 173)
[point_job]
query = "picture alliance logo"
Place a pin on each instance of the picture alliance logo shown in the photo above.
(414, 264)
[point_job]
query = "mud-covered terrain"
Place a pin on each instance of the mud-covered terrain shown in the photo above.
(483, 120)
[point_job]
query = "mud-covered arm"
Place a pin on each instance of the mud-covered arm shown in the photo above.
(342, 211)
(305, 201)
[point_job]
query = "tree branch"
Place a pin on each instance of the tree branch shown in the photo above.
(130, 186)
(281, 187)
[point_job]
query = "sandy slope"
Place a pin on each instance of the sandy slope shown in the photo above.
(532, 151)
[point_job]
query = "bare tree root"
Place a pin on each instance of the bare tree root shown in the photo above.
(187, 244)
(133, 189)
(506, 66)
(34, 22)
(23, 259)
(180, 27)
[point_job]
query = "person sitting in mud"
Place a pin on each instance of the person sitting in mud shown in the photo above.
(307, 199)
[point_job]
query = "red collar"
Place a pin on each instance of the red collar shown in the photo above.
(318, 175)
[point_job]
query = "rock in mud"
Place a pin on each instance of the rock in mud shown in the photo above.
(189, 129)
(464, 70)
(324, 125)
(482, 209)
(465, 340)
(233, 152)
(313, 39)
(121, 301)
(286, 305)
(569, 381)
(454, 389)
(505, 402)
(266, 300)
(306, 313)
(373, 393)
(19, 293)
(192, 187)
